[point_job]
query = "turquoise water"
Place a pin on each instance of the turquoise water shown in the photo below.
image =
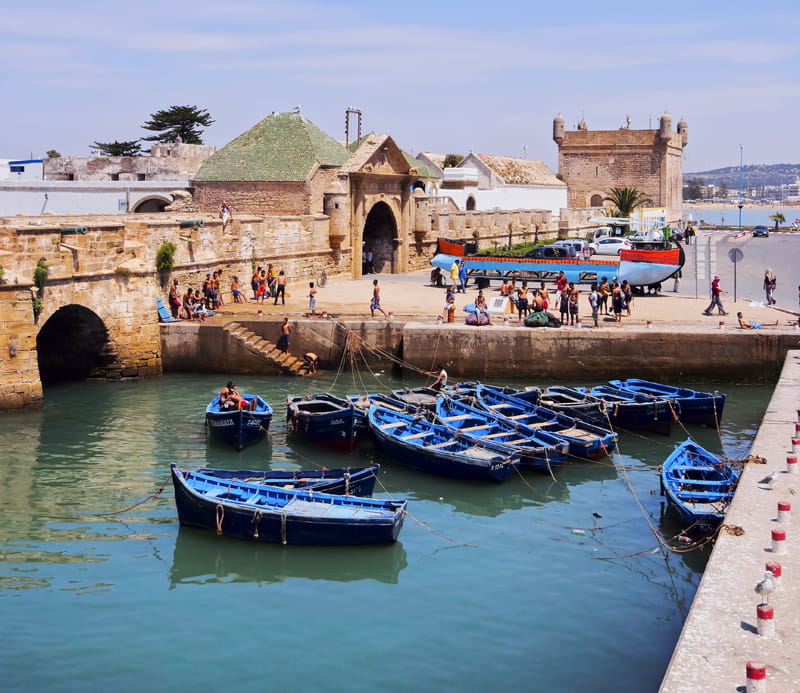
(490, 588)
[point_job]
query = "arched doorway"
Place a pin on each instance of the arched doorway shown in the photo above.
(150, 204)
(596, 201)
(470, 203)
(380, 230)
(72, 345)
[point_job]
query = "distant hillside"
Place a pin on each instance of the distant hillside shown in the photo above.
(752, 175)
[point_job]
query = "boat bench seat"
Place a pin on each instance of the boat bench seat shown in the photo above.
(414, 436)
(500, 406)
(697, 482)
(500, 434)
(691, 467)
(481, 427)
(688, 495)
(442, 445)
(457, 417)
(393, 424)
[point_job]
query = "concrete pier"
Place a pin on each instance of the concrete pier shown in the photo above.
(720, 635)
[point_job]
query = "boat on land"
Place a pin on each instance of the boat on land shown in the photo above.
(635, 411)
(239, 427)
(539, 450)
(584, 439)
(285, 516)
(699, 485)
(704, 408)
(350, 481)
(641, 268)
(326, 419)
(415, 441)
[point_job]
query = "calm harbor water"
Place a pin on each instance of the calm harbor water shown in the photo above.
(490, 588)
(751, 216)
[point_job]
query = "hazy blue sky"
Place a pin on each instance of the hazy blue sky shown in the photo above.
(438, 76)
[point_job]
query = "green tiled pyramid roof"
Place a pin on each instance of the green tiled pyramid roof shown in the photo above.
(282, 147)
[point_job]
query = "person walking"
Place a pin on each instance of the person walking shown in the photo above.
(312, 299)
(716, 292)
(375, 303)
(280, 288)
(225, 214)
(462, 277)
(454, 276)
(594, 302)
(770, 282)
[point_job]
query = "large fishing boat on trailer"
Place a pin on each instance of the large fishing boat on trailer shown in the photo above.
(639, 267)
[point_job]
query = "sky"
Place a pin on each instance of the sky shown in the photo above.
(447, 77)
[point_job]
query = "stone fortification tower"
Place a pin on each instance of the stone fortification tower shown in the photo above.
(593, 162)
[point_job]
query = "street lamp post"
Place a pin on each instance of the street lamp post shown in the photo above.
(740, 189)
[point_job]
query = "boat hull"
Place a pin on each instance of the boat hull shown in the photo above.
(698, 485)
(428, 447)
(284, 517)
(635, 412)
(326, 420)
(701, 408)
(239, 427)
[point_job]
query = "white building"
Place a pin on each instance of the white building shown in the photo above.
(483, 181)
(21, 169)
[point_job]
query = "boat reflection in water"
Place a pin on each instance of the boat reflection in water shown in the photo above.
(203, 558)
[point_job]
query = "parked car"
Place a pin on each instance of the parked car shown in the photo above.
(553, 252)
(760, 231)
(611, 245)
(581, 247)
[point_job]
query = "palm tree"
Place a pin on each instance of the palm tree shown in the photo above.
(627, 199)
(778, 218)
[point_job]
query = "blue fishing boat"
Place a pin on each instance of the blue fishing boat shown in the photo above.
(537, 449)
(326, 419)
(569, 401)
(364, 402)
(699, 485)
(239, 427)
(584, 439)
(349, 481)
(414, 441)
(635, 411)
(424, 397)
(696, 407)
(270, 514)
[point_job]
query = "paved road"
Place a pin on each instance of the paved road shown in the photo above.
(709, 256)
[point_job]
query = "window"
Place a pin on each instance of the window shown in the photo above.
(17, 169)
(141, 176)
(115, 176)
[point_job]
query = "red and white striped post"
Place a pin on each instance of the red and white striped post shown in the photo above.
(766, 620)
(649, 323)
(777, 571)
(722, 324)
(791, 464)
(778, 541)
(756, 677)
(797, 430)
(795, 445)
(784, 511)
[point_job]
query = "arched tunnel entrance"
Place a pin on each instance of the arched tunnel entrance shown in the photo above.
(72, 345)
(380, 230)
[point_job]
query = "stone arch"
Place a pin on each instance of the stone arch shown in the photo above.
(470, 203)
(150, 204)
(418, 185)
(380, 232)
(596, 200)
(72, 345)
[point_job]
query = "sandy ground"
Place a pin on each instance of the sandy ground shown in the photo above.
(411, 297)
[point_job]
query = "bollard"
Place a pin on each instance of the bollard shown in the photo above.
(766, 620)
(797, 430)
(756, 677)
(778, 541)
(260, 313)
(795, 445)
(784, 512)
(722, 324)
(325, 314)
(390, 316)
(791, 464)
(649, 324)
(775, 568)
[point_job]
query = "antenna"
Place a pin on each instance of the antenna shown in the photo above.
(351, 111)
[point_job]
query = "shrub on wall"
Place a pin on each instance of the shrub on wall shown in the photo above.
(165, 257)
(37, 307)
(40, 275)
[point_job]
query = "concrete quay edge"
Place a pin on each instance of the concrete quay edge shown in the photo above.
(719, 636)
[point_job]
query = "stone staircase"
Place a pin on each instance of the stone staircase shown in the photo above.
(262, 348)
